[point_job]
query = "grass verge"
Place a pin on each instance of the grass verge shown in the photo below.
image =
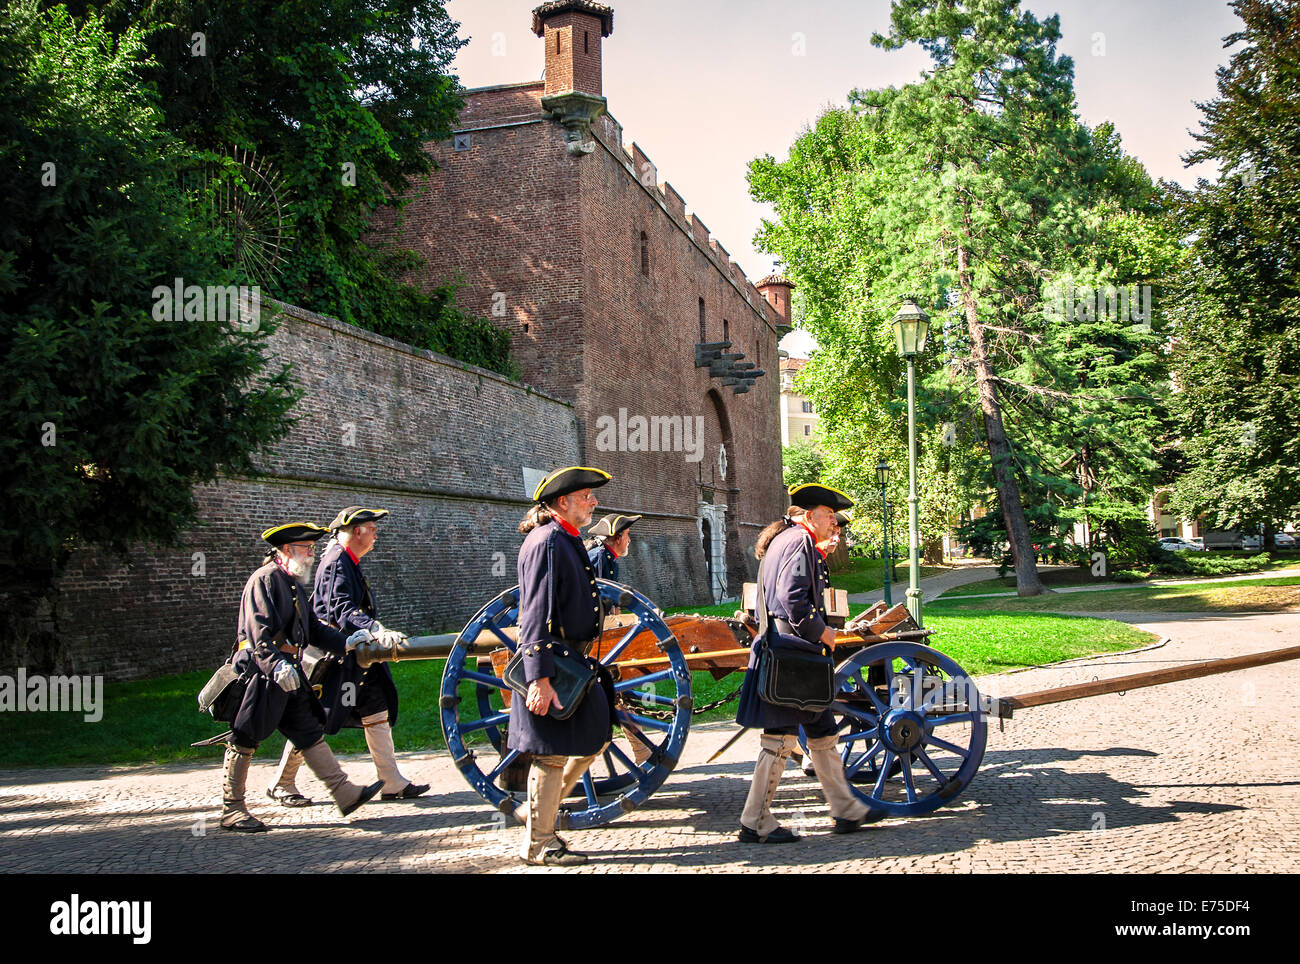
(1263, 594)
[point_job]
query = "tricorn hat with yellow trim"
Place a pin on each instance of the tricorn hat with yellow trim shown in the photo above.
(293, 532)
(842, 519)
(355, 515)
(810, 495)
(613, 526)
(567, 480)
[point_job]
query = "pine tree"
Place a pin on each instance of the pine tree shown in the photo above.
(1237, 331)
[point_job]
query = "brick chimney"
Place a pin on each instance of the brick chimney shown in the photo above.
(775, 289)
(572, 31)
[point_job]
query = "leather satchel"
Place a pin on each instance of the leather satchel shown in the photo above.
(795, 673)
(223, 694)
(573, 679)
(792, 672)
(316, 663)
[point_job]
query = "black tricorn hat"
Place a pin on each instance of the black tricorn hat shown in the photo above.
(842, 519)
(293, 532)
(571, 479)
(355, 515)
(613, 526)
(810, 495)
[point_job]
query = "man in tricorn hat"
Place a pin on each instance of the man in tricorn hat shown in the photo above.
(613, 538)
(559, 606)
(352, 696)
(794, 598)
(276, 622)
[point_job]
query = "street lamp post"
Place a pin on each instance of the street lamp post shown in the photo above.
(911, 326)
(882, 473)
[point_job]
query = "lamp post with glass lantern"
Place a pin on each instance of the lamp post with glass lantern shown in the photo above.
(882, 474)
(911, 326)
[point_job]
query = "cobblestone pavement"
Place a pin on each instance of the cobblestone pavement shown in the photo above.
(1196, 776)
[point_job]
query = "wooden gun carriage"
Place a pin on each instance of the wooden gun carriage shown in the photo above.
(912, 724)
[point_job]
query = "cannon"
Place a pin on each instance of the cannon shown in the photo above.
(652, 657)
(912, 724)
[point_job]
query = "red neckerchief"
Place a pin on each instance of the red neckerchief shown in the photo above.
(814, 537)
(565, 526)
(349, 551)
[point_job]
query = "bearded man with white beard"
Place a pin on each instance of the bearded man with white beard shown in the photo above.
(276, 622)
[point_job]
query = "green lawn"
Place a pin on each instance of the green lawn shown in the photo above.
(1053, 578)
(1261, 594)
(1082, 576)
(155, 721)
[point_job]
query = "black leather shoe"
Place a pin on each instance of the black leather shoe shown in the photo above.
(409, 792)
(563, 857)
(366, 794)
(844, 825)
(249, 824)
(288, 799)
(779, 835)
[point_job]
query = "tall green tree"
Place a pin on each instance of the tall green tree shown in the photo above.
(112, 415)
(1237, 327)
(339, 98)
(978, 190)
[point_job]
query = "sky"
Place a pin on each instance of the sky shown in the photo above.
(705, 86)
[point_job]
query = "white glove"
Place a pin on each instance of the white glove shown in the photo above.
(390, 638)
(286, 676)
(357, 638)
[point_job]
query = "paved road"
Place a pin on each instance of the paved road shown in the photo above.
(1195, 776)
(933, 586)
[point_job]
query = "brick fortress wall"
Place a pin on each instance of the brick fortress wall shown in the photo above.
(548, 245)
(439, 443)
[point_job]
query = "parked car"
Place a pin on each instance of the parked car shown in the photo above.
(1284, 540)
(1252, 542)
(1174, 544)
(1222, 539)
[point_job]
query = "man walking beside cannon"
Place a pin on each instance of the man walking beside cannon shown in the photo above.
(560, 615)
(612, 538)
(350, 695)
(276, 623)
(792, 603)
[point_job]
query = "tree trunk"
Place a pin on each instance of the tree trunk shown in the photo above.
(1013, 513)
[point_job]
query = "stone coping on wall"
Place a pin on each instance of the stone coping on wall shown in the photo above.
(362, 334)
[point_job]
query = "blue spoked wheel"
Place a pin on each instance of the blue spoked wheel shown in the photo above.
(914, 750)
(645, 749)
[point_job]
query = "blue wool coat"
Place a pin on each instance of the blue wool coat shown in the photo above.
(604, 562)
(558, 605)
(343, 599)
(794, 583)
(274, 609)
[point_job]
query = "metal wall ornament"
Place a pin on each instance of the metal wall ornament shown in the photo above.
(248, 200)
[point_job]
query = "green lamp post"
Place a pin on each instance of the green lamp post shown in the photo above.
(882, 474)
(911, 326)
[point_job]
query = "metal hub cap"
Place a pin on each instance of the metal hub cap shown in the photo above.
(903, 730)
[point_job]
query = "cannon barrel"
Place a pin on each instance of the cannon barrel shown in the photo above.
(420, 647)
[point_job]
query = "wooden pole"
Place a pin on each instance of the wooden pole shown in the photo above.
(1007, 704)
